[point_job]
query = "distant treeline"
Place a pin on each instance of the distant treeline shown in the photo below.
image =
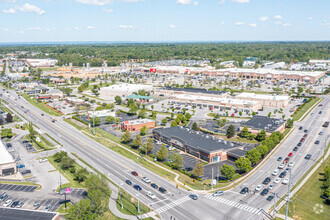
(115, 54)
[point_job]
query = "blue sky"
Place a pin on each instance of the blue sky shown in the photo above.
(164, 20)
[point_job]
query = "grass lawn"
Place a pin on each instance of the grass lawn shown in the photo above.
(130, 204)
(44, 144)
(244, 140)
(62, 209)
(307, 107)
(93, 97)
(41, 106)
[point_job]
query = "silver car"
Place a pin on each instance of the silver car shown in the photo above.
(218, 193)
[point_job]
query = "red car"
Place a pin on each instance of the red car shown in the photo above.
(302, 139)
(305, 135)
(290, 154)
(286, 160)
(320, 105)
(134, 173)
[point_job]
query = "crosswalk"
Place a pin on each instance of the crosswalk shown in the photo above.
(234, 204)
(172, 204)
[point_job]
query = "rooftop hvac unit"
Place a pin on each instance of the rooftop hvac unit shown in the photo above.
(207, 136)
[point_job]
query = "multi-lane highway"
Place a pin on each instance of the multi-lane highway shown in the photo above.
(176, 203)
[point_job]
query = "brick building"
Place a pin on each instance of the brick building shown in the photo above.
(136, 125)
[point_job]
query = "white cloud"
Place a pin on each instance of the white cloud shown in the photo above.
(76, 28)
(90, 27)
(4, 30)
(241, 1)
(67, 29)
(9, 11)
(183, 2)
(34, 29)
(222, 22)
(286, 25)
(108, 10)
(278, 17)
(253, 25)
(222, 2)
(278, 22)
(95, 2)
(195, 3)
(21, 32)
(173, 26)
(238, 23)
(122, 26)
(263, 18)
(31, 8)
(8, 0)
(325, 23)
(309, 18)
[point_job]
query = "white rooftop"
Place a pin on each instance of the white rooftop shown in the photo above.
(215, 99)
(138, 121)
(5, 155)
(263, 96)
(125, 87)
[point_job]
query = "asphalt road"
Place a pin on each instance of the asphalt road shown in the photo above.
(175, 203)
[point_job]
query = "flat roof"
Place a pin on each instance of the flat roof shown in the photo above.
(263, 96)
(5, 155)
(197, 140)
(138, 121)
(25, 214)
(263, 122)
(195, 90)
(215, 99)
(133, 96)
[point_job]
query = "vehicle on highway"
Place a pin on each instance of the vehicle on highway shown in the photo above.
(320, 105)
(306, 131)
(320, 112)
(20, 204)
(300, 128)
(193, 196)
(305, 135)
(290, 154)
(308, 156)
(295, 148)
(7, 203)
(271, 186)
(42, 160)
(128, 182)
(275, 172)
(244, 190)
(134, 173)
(36, 205)
(299, 144)
(326, 124)
(259, 187)
(151, 195)
(146, 180)
(26, 171)
(162, 189)
(317, 142)
(277, 180)
(154, 185)
(279, 159)
(291, 164)
(285, 181)
(281, 166)
(21, 166)
(3, 197)
(266, 181)
(14, 204)
(137, 187)
(42, 114)
(270, 198)
(302, 139)
(283, 174)
(264, 192)
(287, 169)
(47, 208)
(286, 160)
(218, 193)
(321, 133)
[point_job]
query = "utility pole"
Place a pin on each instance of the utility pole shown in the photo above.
(274, 205)
(287, 204)
(138, 201)
(212, 179)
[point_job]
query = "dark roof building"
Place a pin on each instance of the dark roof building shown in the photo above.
(203, 146)
(258, 123)
(24, 214)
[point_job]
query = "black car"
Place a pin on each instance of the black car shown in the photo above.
(244, 190)
(295, 148)
(128, 182)
(26, 171)
(162, 189)
(14, 204)
(283, 174)
(137, 187)
(270, 198)
(9, 145)
(154, 185)
(264, 192)
(317, 142)
(306, 131)
(266, 181)
(299, 144)
(300, 128)
(320, 112)
(308, 156)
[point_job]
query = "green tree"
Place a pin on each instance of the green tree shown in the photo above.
(127, 137)
(95, 121)
(300, 90)
(269, 114)
(67, 91)
(240, 113)
(32, 132)
(174, 123)
(221, 122)
(164, 121)
(188, 116)
(253, 155)
(81, 175)
(263, 150)
(143, 130)
(261, 136)
(254, 113)
(231, 131)
(198, 170)
(177, 160)
(227, 171)
(195, 126)
(162, 153)
(136, 143)
(59, 156)
(142, 114)
(67, 163)
(149, 146)
(81, 210)
(109, 119)
(245, 132)
(6, 132)
(289, 123)
(243, 164)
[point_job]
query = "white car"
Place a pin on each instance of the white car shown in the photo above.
(277, 180)
(281, 166)
(275, 172)
(7, 203)
(218, 193)
(151, 195)
(43, 160)
(259, 187)
(147, 180)
(291, 164)
(285, 181)
(271, 186)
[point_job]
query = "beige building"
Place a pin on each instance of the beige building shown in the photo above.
(7, 163)
(169, 91)
(278, 101)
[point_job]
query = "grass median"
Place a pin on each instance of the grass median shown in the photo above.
(307, 107)
(130, 204)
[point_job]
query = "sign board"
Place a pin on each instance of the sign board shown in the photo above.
(67, 190)
(214, 182)
(38, 139)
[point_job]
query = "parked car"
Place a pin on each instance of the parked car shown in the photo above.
(36, 205)
(281, 166)
(295, 148)
(285, 181)
(270, 198)
(302, 139)
(283, 174)
(128, 182)
(266, 181)
(146, 180)
(279, 159)
(151, 195)
(3, 197)
(277, 180)
(264, 192)
(306, 131)
(134, 173)
(300, 128)
(244, 190)
(317, 142)
(218, 193)
(162, 189)
(26, 171)
(308, 156)
(286, 160)
(321, 133)
(299, 144)
(290, 154)
(137, 187)
(14, 204)
(21, 166)
(7, 203)
(154, 185)
(275, 172)
(291, 164)
(193, 196)
(42, 160)
(271, 186)
(47, 208)
(259, 187)
(287, 169)
(20, 204)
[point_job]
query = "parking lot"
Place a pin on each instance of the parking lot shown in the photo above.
(14, 187)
